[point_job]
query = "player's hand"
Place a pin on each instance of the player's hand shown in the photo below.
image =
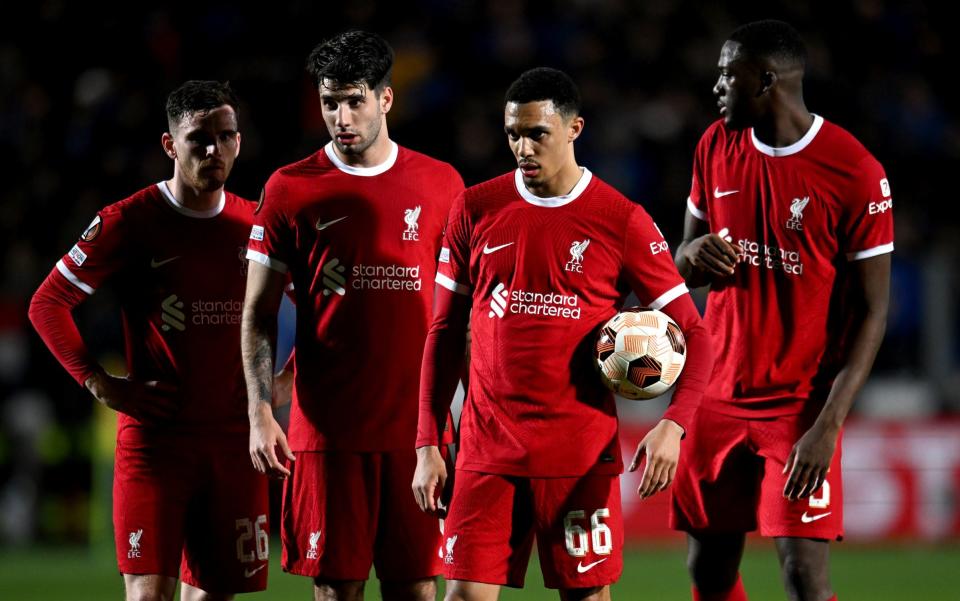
(429, 480)
(809, 461)
(282, 388)
(712, 255)
(661, 449)
(265, 436)
(151, 401)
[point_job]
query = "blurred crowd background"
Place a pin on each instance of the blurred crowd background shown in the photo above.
(82, 93)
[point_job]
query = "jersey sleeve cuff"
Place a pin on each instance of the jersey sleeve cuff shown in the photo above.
(274, 264)
(451, 285)
(669, 296)
(870, 252)
(65, 272)
(682, 416)
(701, 215)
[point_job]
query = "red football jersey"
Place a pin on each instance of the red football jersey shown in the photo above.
(544, 273)
(361, 246)
(180, 276)
(797, 216)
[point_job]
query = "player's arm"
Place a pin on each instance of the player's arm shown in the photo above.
(443, 361)
(258, 342)
(661, 446)
(702, 257)
(51, 313)
(810, 457)
(652, 275)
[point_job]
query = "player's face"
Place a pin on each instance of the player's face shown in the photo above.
(205, 145)
(354, 115)
(737, 88)
(541, 140)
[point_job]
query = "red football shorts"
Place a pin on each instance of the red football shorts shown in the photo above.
(493, 519)
(730, 477)
(192, 507)
(345, 511)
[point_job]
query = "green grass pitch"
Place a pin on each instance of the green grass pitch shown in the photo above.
(927, 573)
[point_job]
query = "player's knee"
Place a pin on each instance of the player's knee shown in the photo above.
(416, 590)
(454, 594)
(805, 580)
(324, 590)
(714, 561)
(148, 594)
(465, 591)
(709, 574)
(149, 588)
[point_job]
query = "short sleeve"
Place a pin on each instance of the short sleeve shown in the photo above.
(868, 213)
(102, 250)
(453, 264)
(271, 237)
(697, 200)
(648, 263)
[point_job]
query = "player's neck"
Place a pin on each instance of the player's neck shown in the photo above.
(786, 127)
(560, 185)
(193, 198)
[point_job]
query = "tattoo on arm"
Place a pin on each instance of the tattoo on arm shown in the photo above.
(264, 365)
(258, 344)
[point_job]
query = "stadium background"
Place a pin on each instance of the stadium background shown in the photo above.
(81, 113)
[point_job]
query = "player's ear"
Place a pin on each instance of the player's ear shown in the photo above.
(767, 80)
(575, 128)
(386, 99)
(166, 140)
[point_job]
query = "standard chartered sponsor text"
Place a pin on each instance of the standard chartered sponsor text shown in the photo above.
(216, 313)
(549, 304)
(386, 277)
(769, 256)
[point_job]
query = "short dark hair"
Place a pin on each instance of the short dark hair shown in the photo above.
(544, 83)
(199, 96)
(771, 39)
(353, 57)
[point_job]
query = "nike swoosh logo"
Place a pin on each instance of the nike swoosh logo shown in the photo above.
(248, 572)
(323, 226)
(718, 194)
(806, 519)
(154, 263)
(586, 568)
(487, 249)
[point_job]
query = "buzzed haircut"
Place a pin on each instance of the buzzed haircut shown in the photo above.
(544, 83)
(771, 39)
(355, 57)
(199, 96)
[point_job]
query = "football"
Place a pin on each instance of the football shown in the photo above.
(640, 353)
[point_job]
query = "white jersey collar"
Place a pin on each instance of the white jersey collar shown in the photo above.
(179, 208)
(363, 171)
(553, 201)
(793, 148)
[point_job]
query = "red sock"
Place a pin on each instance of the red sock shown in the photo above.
(833, 598)
(734, 593)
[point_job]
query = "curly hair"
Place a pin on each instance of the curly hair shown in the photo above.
(359, 58)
